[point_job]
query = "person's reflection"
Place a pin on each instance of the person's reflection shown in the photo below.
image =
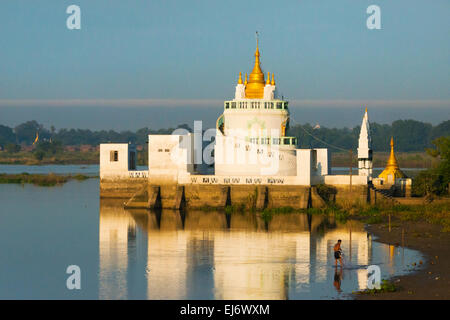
(337, 278)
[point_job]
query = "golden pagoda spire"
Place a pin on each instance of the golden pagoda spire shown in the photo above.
(392, 169)
(268, 78)
(240, 78)
(246, 79)
(273, 80)
(392, 159)
(255, 87)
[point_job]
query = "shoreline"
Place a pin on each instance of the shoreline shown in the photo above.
(432, 281)
(43, 180)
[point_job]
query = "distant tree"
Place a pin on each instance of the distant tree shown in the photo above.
(142, 136)
(49, 148)
(381, 135)
(411, 135)
(436, 180)
(6, 135)
(26, 132)
(441, 130)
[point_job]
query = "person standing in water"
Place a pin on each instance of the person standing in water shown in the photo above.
(338, 252)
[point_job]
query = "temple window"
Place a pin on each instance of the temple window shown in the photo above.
(113, 156)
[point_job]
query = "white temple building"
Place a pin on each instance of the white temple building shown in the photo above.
(251, 133)
(251, 146)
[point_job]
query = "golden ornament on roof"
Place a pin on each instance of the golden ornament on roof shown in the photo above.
(255, 86)
(240, 78)
(392, 170)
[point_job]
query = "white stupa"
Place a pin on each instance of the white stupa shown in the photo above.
(251, 133)
(365, 148)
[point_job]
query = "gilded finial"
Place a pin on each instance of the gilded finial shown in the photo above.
(246, 79)
(366, 109)
(268, 78)
(256, 81)
(240, 78)
(392, 169)
(273, 80)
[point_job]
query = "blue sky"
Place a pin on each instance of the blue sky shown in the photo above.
(153, 54)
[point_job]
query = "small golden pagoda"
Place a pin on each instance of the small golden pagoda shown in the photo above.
(254, 89)
(392, 170)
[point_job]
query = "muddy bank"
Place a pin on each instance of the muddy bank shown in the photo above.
(432, 280)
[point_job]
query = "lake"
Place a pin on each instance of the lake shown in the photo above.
(140, 254)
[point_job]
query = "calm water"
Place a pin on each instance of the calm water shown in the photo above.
(89, 170)
(137, 254)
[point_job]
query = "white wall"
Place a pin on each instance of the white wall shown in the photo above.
(345, 180)
(304, 166)
(119, 168)
(254, 122)
(170, 156)
(235, 156)
(323, 161)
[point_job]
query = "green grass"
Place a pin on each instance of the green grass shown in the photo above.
(66, 157)
(234, 209)
(433, 213)
(385, 286)
(44, 180)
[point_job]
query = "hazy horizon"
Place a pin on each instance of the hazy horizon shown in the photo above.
(162, 63)
(133, 118)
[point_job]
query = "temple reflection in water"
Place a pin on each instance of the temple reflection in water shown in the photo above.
(207, 255)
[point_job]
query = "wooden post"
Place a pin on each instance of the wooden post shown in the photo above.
(351, 169)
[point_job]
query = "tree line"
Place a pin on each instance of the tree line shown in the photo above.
(409, 135)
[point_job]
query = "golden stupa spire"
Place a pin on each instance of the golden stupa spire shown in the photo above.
(392, 169)
(255, 87)
(268, 78)
(392, 159)
(273, 80)
(240, 78)
(246, 79)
